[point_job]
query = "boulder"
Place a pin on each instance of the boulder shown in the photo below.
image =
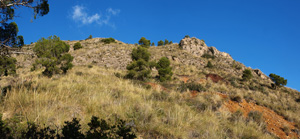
(260, 74)
(198, 47)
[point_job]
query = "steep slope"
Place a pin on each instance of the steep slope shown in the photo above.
(168, 110)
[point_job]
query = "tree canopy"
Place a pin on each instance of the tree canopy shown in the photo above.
(9, 30)
(164, 69)
(53, 54)
(144, 42)
(279, 81)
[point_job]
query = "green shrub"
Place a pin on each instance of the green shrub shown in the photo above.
(72, 130)
(52, 54)
(247, 75)
(139, 67)
(236, 98)
(144, 42)
(164, 69)
(160, 43)
(187, 36)
(236, 115)
(192, 87)
(5, 131)
(77, 45)
(208, 56)
(108, 40)
(209, 65)
(279, 81)
(166, 42)
(255, 116)
(7, 65)
(90, 37)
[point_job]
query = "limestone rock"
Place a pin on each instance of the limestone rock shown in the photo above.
(260, 74)
(198, 47)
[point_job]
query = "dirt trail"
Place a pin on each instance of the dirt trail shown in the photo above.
(275, 123)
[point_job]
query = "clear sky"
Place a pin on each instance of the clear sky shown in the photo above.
(261, 34)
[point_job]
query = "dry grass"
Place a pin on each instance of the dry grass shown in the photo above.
(84, 92)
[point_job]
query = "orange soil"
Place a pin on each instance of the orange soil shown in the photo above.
(274, 122)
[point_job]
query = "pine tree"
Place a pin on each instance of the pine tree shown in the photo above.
(164, 69)
(52, 54)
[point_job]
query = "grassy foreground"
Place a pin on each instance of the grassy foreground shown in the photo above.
(85, 92)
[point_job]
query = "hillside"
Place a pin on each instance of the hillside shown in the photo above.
(221, 108)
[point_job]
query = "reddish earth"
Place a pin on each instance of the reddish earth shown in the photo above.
(184, 78)
(214, 77)
(275, 123)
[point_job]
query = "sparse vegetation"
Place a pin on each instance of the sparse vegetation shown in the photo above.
(7, 65)
(153, 109)
(279, 81)
(77, 46)
(160, 43)
(108, 40)
(247, 75)
(52, 54)
(90, 37)
(144, 42)
(139, 67)
(208, 56)
(164, 69)
(166, 42)
(209, 65)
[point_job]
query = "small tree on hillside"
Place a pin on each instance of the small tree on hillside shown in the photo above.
(247, 75)
(90, 37)
(209, 64)
(108, 40)
(152, 44)
(144, 42)
(166, 42)
(164, 69)
(7, 65)
(171, 42)
(139, 67)
(160, 43)
(52, 54)
(279, 81)
(77, 45)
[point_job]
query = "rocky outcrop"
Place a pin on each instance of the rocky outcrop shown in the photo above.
(198, 48)
(260, 74)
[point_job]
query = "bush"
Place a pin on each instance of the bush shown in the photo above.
(90, 37)
(108, 40)
(139, 67)
(166, 42)
(279, 81)
(247, 75)
(192, 87)
(77, 45)
(164, 69)
(7, 65)
(187, 36)
(208, 56)
(255, 116)
(5, 131)
(53, 54)
(209, 65)
(236, 98)
(144, 42)
(160, 43)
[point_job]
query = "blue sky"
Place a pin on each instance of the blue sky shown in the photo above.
(261, 34)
